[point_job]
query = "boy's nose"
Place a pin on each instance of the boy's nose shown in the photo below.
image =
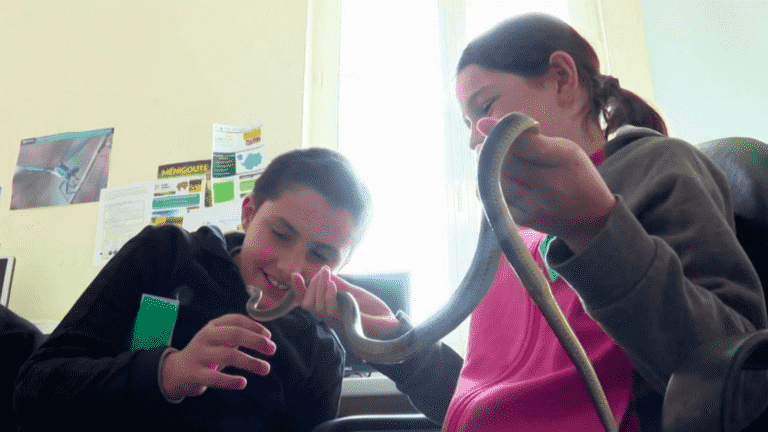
(290, 263)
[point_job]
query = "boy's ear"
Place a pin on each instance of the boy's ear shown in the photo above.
(248, 211)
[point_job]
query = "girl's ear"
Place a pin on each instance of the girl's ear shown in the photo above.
(564, 71)
(248, 211)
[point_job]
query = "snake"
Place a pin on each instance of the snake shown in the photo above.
(498, 235)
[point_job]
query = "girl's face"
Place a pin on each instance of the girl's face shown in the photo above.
(483, 93)
(299, 232)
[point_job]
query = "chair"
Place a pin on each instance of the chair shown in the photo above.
(378, 422)
(699, 395)
(19, 338)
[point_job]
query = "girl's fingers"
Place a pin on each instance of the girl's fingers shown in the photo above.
(485, 124)
(532, 149)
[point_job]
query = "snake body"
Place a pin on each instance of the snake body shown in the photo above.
(498, 234)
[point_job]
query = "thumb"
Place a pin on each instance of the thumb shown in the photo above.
(485, 124)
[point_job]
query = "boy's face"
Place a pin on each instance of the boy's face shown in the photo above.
(298, 232)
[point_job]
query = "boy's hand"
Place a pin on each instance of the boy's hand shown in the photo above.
(191, 371)
(320, 297)
(320, 300)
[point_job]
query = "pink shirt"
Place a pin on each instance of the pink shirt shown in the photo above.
(517, 376)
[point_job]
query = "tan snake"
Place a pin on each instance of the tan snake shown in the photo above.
(498, 234)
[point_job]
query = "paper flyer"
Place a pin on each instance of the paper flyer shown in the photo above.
(181, 188)
(239, 157)
(123, 212)
(226, 216)
(66, 168)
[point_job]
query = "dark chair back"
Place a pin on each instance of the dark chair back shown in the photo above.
(745, 162)
(707, 391)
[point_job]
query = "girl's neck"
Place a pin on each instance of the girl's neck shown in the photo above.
(591, 137)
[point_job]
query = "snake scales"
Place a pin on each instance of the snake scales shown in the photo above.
(498, 234)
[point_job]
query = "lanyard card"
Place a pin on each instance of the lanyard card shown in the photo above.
(154, 323)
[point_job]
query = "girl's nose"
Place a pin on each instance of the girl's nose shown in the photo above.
(476, 139)
(480, 130)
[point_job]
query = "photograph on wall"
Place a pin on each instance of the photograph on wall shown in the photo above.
(66, 168)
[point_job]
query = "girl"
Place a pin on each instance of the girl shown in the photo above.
(640, 226)
(220, 370)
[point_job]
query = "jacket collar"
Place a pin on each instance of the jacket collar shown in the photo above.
(625, 135)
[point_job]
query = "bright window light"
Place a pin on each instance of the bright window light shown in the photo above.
(392, 120)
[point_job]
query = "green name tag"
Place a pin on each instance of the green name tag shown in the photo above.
(543, 247)
(154, 323)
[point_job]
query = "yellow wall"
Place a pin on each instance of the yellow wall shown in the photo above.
(160, 72)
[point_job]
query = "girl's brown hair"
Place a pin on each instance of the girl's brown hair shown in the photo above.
(522, 45)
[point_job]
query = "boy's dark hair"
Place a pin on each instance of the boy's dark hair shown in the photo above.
(522, 45)
(325, 171)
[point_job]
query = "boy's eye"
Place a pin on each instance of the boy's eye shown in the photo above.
(319, 256)
(279, 235)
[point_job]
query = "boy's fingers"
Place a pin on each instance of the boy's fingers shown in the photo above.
(330, 299)
(215, 379)
(300, 288)
(243, 361)
(234, 337)
(240, 320)
(321, 284)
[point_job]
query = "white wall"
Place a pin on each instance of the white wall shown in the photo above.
(709, 63)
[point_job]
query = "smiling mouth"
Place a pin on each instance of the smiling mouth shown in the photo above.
(274, 282)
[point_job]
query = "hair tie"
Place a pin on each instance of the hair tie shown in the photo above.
(608, 91)
(608, 82)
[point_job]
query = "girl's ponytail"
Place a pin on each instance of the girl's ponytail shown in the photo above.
(622, 107)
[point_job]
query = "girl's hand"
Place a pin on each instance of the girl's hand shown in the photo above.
(320, 299)
(552, 186)
(191, 371)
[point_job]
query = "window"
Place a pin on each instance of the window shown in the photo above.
(398, 121)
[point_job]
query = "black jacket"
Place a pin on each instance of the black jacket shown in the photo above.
(86, 377)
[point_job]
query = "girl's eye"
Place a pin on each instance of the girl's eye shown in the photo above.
(486, 107)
